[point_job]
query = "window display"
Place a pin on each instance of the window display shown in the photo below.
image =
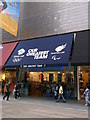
(84, 72)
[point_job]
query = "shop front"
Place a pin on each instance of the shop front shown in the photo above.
(45, 63)
(81, 60)
(43, 83)
(5, 53)
(84, 79)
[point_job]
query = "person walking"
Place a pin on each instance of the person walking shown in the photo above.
(7, 92)
(61, 94)
(56, 91)
(3, 85)
(87, 95)
(17, 90)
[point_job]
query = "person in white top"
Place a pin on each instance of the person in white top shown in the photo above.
(87, 95)
(61, 94)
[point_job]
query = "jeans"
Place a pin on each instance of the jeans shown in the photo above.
(87, 100)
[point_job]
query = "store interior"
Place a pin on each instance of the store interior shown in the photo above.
(42, 83)
(84, 78)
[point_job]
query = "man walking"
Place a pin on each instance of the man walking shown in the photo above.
(3, 85)
(7, 93)
(17, 90)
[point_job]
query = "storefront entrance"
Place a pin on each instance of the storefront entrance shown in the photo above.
(84, 78)
(44, 83)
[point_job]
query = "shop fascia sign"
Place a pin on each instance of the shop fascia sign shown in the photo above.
(33, 66)
(38, 55)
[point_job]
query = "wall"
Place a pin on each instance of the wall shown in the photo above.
(39, 19)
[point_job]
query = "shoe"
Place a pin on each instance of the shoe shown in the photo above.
(57, 100)
(19, 97)
(86, 104)
(64, 101)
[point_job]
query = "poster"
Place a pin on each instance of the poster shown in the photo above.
(9, 15)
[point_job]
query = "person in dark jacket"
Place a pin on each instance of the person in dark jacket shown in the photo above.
(7, 93)
(17, 90)
(3, 85)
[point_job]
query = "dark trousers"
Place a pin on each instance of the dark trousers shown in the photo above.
(17, 94)
(6, 95)
(57, 94)
(2, 90)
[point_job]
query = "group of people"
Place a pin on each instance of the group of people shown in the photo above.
(57, 90)
(59, 93)
(16, 91)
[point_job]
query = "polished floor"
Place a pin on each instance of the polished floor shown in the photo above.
(33, 107)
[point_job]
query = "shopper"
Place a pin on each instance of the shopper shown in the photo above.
(14, 90)
(64, 89)
(61, 94)
(3, 86)
(17, 90)
(87, 95)
(56, 91)
(7, 92)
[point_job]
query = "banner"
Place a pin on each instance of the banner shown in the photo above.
(54, 50)
(9, 15)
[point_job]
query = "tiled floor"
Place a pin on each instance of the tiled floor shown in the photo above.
(31, 107)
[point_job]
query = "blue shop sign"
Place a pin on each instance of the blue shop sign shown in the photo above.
(54, 50)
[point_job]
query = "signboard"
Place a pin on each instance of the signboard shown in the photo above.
(50, 50)
(9, 15)
(43, 68)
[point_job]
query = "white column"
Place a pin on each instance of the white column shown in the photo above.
(78, 89)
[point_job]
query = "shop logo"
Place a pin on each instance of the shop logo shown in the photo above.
(20, 56)
(21, 51)
(31, 52)
(58, 51)
(38, 54)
